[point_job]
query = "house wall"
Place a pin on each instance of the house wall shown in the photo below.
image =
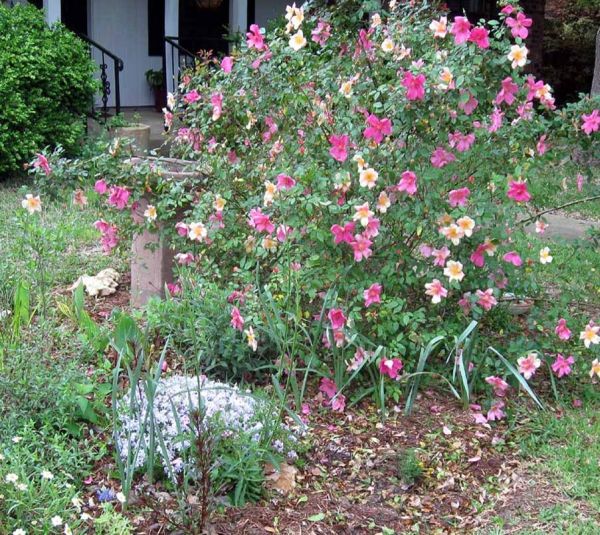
(269, 9)
(122, 27)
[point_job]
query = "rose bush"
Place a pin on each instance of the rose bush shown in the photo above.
(367, 176)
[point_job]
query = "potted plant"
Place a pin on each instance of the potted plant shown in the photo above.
(156, 81)
(121, 127)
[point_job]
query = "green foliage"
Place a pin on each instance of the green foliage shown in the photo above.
(155, 78)
(46, 86)
(200, 328)
(111, 522)
(48, 466)
(410, 467)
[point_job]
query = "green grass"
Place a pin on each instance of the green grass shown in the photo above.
(41, 425)
(561, 459)
(575, 268)
(570, 449)
(74, 243)
(558, 186)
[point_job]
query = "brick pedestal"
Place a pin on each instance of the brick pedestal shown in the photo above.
(152, 263)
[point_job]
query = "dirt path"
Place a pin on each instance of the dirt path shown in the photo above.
(561, 226)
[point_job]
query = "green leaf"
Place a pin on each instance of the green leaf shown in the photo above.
(519, 377)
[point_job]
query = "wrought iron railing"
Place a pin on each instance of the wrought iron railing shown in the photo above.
(178, 58)
(106, 88)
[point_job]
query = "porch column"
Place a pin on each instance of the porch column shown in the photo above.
(52, 11)
(239, 15)
(171, 30)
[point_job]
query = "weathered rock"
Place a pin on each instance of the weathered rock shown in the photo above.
(103, 284)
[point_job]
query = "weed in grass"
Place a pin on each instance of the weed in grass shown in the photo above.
(410, 467)
(111, 522)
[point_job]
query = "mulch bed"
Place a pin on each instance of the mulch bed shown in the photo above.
(351, 483)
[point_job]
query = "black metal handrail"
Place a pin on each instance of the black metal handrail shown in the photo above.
(183, 54)
(105, 83)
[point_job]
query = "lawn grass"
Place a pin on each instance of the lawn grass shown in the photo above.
(558, 186)
(40, 370)
(569, 447)
(75, 248)
(575, 267)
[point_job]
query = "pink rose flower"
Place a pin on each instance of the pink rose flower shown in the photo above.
(255, 39)
(391, 367)
(499, 385)
(361, 247)
(561, 330)
(261, 222)
(512, 257)
(377, 128)
(507, 92)
(227, 64)
(343, 234)
(591, 122)
(518, 25)
(339, 147)
(336, 318)
(496, 412)
(101, 187)
(118, 197)
(237, 320)
(372, 294)
(328, 387)
(562, 366)
(415, 86)
(480, 36)
(41, 162)
(461, 29)
(408, 183)
(441, 157)
(517, 191)
(486, 299)
(285, 182)
(458, 197)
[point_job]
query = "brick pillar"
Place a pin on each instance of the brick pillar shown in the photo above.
(535, 9)
(152, 263)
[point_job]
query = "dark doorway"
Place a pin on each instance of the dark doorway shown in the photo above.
(156, 27)
(74, 15)
(202, 25)
(475, 9)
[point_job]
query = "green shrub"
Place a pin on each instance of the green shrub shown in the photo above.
(46, 86)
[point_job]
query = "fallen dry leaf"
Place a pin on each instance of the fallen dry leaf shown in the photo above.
(282, 480)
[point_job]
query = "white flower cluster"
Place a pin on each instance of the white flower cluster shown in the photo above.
(175, 400)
